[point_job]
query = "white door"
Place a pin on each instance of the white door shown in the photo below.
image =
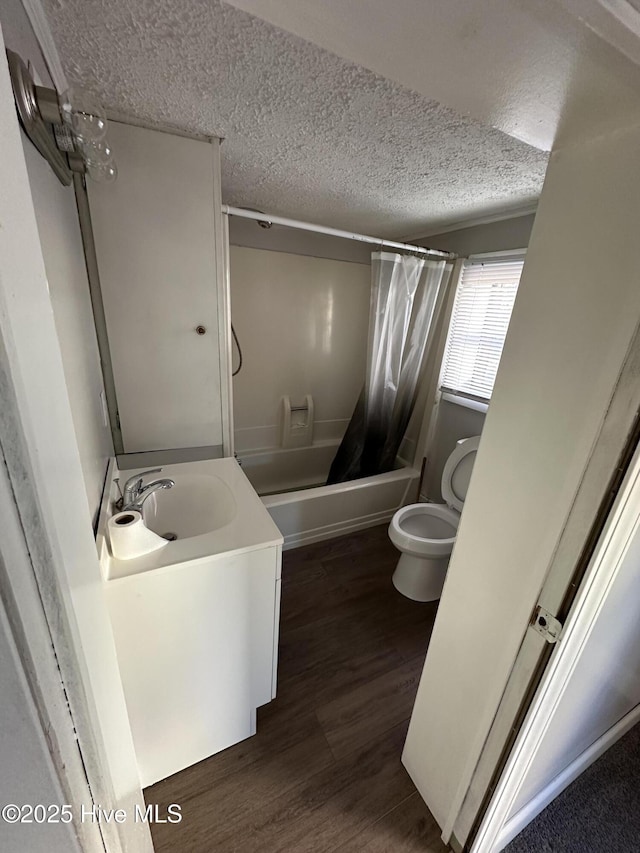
(590, 693)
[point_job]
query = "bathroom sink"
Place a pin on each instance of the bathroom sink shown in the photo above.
(212, 511)
(197, 504)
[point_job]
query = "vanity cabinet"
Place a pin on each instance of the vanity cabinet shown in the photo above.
(197, 647)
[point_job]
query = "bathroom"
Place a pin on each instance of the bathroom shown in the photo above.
(306, 315)
(339, 650)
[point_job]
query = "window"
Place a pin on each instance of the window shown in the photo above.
(479, 322)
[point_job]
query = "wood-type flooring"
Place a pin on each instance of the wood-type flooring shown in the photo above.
(323, 773)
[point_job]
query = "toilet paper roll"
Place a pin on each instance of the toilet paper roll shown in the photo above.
(130, 537)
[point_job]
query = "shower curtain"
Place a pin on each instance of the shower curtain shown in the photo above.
(406, 296)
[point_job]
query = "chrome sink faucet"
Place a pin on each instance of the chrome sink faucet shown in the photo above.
(135, 493)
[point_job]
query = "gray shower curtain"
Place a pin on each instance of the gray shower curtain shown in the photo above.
(406, 294)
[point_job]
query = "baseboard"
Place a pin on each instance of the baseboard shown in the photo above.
(522, 818)
(331, 531)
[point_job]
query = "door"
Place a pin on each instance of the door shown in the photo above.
(611, 461)
(589, 695)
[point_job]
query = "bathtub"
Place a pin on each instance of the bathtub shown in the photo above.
(291, 485)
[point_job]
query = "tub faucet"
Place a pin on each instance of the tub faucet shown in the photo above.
(135, 493)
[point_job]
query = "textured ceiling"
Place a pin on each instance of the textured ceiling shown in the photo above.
(307, 134)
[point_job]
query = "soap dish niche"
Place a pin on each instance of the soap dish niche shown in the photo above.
(296, 422)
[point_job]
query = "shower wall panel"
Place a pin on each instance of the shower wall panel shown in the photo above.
(302, 323)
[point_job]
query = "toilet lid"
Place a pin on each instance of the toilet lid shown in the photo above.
(457, 472)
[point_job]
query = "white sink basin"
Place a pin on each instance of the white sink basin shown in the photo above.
(213, 511)
(197, 504)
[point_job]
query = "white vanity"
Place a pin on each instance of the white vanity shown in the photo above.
(195, 622)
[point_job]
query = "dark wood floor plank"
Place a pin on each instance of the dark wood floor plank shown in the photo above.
(333, 639)
(302, 573)
(367, 712)
(324, 682)
(409, 828)
(288, 749)
(361, 542)
(317, 815)
(227, 806)
(324, 769)
(350, 580)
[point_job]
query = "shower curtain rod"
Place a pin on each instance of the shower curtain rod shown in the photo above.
(333, 232)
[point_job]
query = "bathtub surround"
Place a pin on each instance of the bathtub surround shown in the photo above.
(275, 470)
(302, 325)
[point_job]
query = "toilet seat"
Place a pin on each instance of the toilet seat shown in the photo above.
(457, 472)
(414, 543)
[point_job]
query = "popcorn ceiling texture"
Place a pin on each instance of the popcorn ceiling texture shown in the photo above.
(307, 134)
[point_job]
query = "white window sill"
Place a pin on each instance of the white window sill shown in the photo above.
(465, 402)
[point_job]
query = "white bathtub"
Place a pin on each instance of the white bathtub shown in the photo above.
(290, 483)
(277, 470)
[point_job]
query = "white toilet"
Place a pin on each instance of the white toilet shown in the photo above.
(425, 532)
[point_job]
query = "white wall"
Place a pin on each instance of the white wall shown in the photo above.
(497, 236)
(454, 421)
(574, 317)
(59, 231)
(602, 689)
(44, 468)
(302, 323)
(155, 238)
(69, 289)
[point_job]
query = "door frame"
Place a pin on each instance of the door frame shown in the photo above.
(20, 600)
(622, 524)
(601, 479)
(46, 485)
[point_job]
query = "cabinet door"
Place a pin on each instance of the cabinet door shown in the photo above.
(156, 240)
(265, 618)
(195, 648)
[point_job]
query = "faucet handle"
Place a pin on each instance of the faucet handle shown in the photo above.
(150, 471)
(134, 483)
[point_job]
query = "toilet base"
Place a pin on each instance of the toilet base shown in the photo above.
(420, 578)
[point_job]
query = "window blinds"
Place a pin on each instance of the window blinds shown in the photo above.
(479, 321)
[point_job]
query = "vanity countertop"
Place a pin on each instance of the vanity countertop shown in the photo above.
(247, 527)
